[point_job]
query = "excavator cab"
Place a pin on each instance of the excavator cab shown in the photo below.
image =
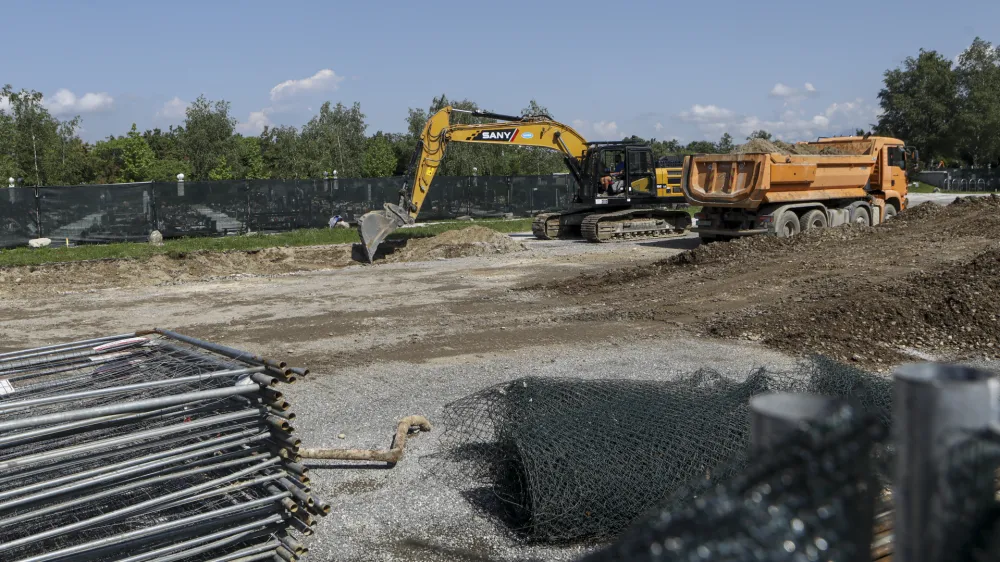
(618, 172)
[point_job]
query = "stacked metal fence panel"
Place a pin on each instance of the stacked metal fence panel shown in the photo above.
(131, 448)
(129, 212)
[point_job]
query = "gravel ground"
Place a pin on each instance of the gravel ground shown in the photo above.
(376, 510)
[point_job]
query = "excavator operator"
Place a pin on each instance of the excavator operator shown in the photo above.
(611, 178)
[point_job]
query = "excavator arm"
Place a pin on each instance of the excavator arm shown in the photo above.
(539, 130)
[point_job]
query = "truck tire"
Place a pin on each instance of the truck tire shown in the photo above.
(788, 225)
(860, 216)
(813, 220)
(890, 211)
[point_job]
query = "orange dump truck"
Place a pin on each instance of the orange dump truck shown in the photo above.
(829, 182)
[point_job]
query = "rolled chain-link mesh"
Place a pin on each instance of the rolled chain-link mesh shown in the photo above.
(571, 459)
(664, 469)
(810, 499)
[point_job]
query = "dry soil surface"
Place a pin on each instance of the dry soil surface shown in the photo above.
(919, 285)
(406, 337)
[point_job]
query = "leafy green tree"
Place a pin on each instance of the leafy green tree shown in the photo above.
(335, 140)
(918, 103)
(137, 157)
(977, 126)
(379, 160)
(760, 134)
(208, 135)
(9, 167)
(700, 147)
(166, 144)
(167, 170)
(252, 159)
(281, 150)
(221, 171)
(725, 144)
(35, 132)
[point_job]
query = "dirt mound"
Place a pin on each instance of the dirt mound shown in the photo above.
(948, 310)
(464, 242)
(872, 294)
(168, 269)
(761, 146)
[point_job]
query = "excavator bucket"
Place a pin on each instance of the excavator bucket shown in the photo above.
(375, 226)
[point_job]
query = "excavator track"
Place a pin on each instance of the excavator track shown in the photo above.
(546, 226)
(630, 224)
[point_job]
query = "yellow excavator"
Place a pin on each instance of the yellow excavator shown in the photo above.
(620, 191)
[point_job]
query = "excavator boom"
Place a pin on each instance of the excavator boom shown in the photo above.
(540, 131)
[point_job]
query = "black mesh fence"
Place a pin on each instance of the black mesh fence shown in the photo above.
(200, 208)
(129, 212)
(18, 221)
(96, 213)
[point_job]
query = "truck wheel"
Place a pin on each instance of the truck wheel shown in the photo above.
(860, 216)
(788, 225)
(890, 211)
(813, 220)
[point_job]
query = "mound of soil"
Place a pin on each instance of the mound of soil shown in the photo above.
(464, 242)
(761, 146)
(167, 269)
(925, 281)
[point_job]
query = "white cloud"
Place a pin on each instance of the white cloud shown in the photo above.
(658, 127)
(792, 94)
(607, 128)
(4, 104)
(255, 123)
(703, 113)
(579, 123)
(66, 102)
(792, 124)
(324, 80)
(782, 91)
(173, 109)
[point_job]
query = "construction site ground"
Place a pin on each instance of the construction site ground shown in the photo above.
(411, 334)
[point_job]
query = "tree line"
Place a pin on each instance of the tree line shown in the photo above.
(949, 110)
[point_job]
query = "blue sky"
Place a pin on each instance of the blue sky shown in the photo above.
(686, 70)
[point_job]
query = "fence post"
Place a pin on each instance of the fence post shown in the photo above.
(775, 417)
(246, 220)
(38, 213)
(935, 409)
(510, 194)
(154, 215)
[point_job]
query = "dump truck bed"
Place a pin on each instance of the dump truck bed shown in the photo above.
(751, 180)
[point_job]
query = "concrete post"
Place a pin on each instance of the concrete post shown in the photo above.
(180, 185)
(935, 409)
